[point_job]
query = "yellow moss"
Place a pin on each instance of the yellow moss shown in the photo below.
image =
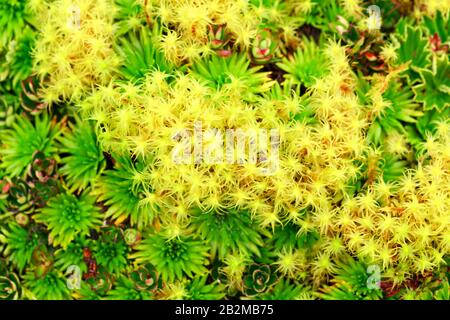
(74, 52)
(432, 6)
(290, 263)
(389, 224)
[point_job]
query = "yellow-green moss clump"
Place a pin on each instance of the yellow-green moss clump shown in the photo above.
(74, 51)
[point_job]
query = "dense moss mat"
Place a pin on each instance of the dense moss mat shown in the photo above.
(224, 149)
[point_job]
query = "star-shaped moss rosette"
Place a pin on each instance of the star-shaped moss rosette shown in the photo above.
(20, 243)
(173, 257)
(124, 289)
(67, 216)
(14, 16)
(72, 255)
(390, 105)
(84, 161)
(49, 286)
(434, 89)
(110, 250)
(233, 71)
(200, 289)
(26, 136)
(122, 190)
(306, 64)
(140, 55)
(353, 282)
(227, 232)
(17, 63)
